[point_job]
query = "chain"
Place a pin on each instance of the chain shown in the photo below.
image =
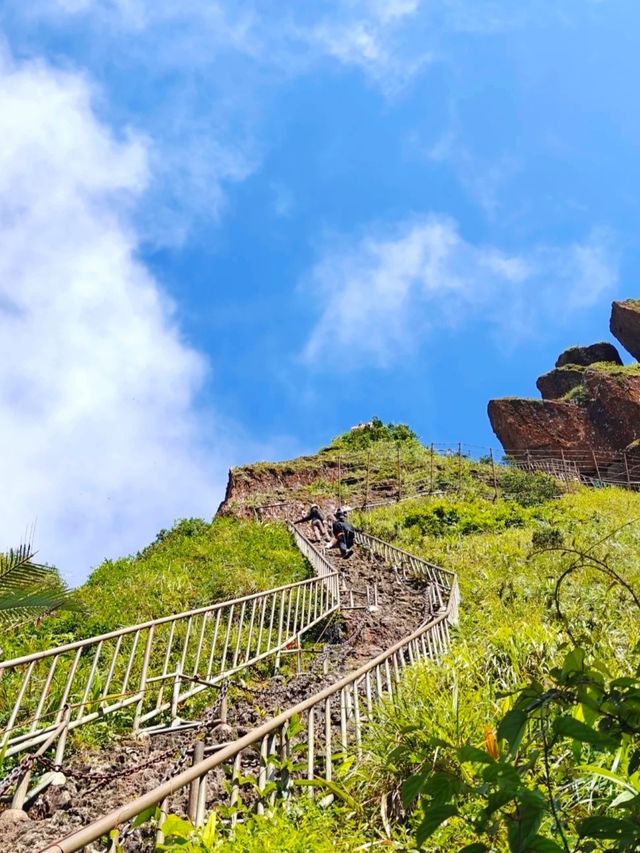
(97, 779)
(185, 751)
(17, 773)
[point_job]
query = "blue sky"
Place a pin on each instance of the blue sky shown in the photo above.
(228, 231)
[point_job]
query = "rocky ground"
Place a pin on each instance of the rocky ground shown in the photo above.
(98, 782)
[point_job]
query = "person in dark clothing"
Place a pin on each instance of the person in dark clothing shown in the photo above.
(317, 522)
(344, 535)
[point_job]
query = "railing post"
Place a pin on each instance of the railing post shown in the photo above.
(143, 680)
(493, 472)
(194, 788)
(431, 461)
(626, 468)
(595, 463)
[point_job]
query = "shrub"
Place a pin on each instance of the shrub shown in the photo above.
(528, 489)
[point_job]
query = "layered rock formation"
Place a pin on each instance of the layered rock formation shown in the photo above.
(625, 325)
(590, 399)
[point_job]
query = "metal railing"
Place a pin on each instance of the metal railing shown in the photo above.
(327, 724)
(443, 584)
(156, 666)
(324, 727)
(588, 465)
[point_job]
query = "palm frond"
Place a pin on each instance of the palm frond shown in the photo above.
(29, 590)
(17, 568)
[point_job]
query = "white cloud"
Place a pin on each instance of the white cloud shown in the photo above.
(101, 443)
(379, 297)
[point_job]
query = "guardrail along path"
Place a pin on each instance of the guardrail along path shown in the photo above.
(380, 606)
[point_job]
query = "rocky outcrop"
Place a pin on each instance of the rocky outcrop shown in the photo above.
(542, 425)
(613, 405)
(625, 325)
(584, 356)
(558, 382)
(606, 416)
(590, 400)
(267, 484)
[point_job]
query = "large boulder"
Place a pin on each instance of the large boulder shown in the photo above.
(558, 382)
(608, 417)
(591, 354)
(542, 425)
(625, 325)
(613, 404)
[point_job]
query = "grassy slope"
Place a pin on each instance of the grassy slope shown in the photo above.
(195, 563)
(509, 631)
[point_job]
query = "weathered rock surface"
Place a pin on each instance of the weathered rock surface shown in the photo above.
(613, 406)
(558, 382)
(542, 425)
(602, 351)
(608, 417)
(625, 325)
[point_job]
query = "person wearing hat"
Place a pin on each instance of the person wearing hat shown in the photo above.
(317, 522)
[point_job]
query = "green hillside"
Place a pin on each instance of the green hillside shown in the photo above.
(193, 564)
(526, 737)
(465, 759)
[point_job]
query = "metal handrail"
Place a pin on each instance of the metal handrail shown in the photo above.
(147, 665)
(352, 697)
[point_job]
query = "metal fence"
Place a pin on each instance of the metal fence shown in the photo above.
(321, 728)
(154, 667)
(588, 465)
(441, 584)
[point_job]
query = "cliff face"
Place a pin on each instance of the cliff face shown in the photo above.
(590, 400)
(625, 325)
(267, 485)
(541, 425)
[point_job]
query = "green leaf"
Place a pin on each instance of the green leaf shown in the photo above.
(473, 755)
(478, 847)
(144, 816)
(435, 816)
(618, 829)
(177, 827)
(540, 844)
(530, 811)
(574, 662)
(210, 830)
(411, 788)
(634, 761)
(570, 727)
(512, 727)
(609, 775)
(499, 798)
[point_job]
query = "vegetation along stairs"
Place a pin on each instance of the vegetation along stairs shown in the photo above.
(372, 615)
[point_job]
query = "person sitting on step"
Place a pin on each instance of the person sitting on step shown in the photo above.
(344, 535)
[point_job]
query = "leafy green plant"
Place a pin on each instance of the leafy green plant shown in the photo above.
(296, 826)
(29, 590)
(373, 433)
(528, 489)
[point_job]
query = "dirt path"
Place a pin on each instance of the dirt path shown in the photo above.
(352, 639)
